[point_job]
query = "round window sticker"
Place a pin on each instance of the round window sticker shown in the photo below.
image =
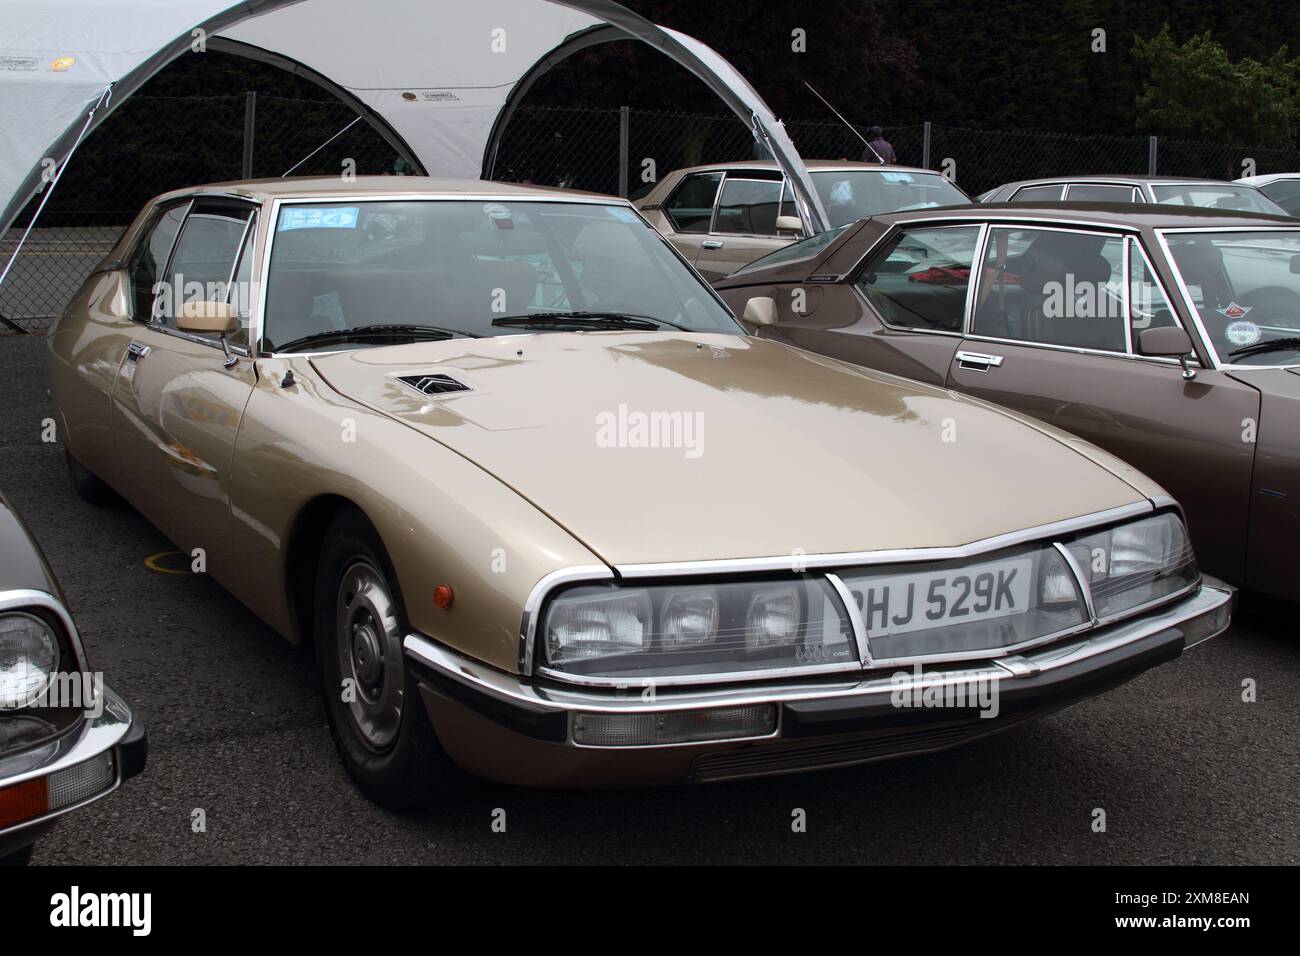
(494, 210)
(1242, 333)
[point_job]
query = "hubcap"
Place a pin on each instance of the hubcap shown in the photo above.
(370, 655)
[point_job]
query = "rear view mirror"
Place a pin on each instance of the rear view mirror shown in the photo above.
(1165, 342)
(1168, 341)
(760, 310)
(1295, 265)
(204, 316)
(789, 224)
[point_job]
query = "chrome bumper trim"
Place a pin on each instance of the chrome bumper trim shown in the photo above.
(94, 737)
(1198, 617)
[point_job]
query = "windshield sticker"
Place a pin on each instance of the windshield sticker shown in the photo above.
(334, 217)
(897, 177)
(1242, 333)
(1234, 311)
(624, 215)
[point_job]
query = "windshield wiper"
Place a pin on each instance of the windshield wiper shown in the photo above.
(584, 320)
(1275, 345)
(364, 332)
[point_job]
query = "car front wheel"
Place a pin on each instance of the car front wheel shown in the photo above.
(376, 716)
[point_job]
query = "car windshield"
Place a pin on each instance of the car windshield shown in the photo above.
(1216, 196)
(853, 194)
(473, 267)
(1246, 290)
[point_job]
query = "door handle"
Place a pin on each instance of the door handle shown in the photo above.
(978, 361)
(712, 243)
(135, 351)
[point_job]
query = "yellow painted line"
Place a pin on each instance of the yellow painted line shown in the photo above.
(151, 563)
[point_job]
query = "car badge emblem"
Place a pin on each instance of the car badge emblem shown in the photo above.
(1234, 311)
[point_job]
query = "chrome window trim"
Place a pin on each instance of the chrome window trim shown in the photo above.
(17, 599)
(171, 250)
(1190, 304)
(717, 202)
(667, 213)
(1126, 293)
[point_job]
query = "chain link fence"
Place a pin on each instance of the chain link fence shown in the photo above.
(152, 144)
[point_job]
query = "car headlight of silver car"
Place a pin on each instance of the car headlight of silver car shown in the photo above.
(1135, 564)
(696, 629)
(29, 658)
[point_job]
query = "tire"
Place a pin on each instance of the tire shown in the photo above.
(19, 858)
(88, 486)
(358, 625)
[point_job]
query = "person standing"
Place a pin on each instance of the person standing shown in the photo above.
(878, 149)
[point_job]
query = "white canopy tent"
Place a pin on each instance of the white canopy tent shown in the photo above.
(438, 78)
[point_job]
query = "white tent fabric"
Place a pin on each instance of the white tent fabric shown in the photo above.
(436, 74)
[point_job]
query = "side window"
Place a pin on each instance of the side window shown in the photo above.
(749, 207)
(204, 259)
(1148, 307)
(150, 259)
(1050, 193)
(1099, 192)
(690, 208)
(1284, 192)
(1053, 287)
(919, 280)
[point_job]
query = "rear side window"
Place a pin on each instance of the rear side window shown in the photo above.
(919, 280)
(1099, 192)
(1038, 193)
(150, 259)
(749, 207)
(690, 209)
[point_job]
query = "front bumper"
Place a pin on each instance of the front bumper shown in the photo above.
(77, 768)
(514, 730)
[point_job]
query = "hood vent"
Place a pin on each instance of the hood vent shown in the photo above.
(433, 384)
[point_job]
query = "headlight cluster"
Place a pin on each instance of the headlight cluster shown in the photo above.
(1134, 564)
(696, 629)
(969, 608)
(29, 658)
(964, 607)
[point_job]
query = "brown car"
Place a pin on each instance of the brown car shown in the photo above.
(1166, 190)
(723, 216)
(1168, 337)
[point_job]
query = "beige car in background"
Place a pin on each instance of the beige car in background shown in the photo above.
(547, 514)
(724, 216)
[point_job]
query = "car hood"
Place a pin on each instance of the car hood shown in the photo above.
(665, 447)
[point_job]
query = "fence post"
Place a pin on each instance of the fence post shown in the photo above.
(624, 147)
(925, 146)
(250, 126)
(1151, 156)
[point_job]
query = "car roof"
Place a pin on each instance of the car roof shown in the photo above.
(1122, 215)
(1112, 178)
(333, 187)
(813, 166)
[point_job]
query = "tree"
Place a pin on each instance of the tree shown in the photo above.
(1196, 90)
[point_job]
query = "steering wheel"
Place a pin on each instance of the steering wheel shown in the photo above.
(1281, 304)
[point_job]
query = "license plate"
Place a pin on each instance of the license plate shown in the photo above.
(913, 602)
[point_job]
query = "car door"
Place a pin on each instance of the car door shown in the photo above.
(744, 223)
(1050, 333)
(689, 212)
(179, 396)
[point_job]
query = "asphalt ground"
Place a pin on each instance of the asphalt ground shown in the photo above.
(1185, 770)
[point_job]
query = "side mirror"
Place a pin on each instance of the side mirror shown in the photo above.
(789, 224)
(203, 316)
(760, 310)
(1167, 342)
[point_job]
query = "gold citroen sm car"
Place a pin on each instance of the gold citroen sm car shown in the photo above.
(549, 515)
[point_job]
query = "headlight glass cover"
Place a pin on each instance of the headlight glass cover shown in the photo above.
(1135, 564)
(966, 607)
(29, 657)
(696, 629)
